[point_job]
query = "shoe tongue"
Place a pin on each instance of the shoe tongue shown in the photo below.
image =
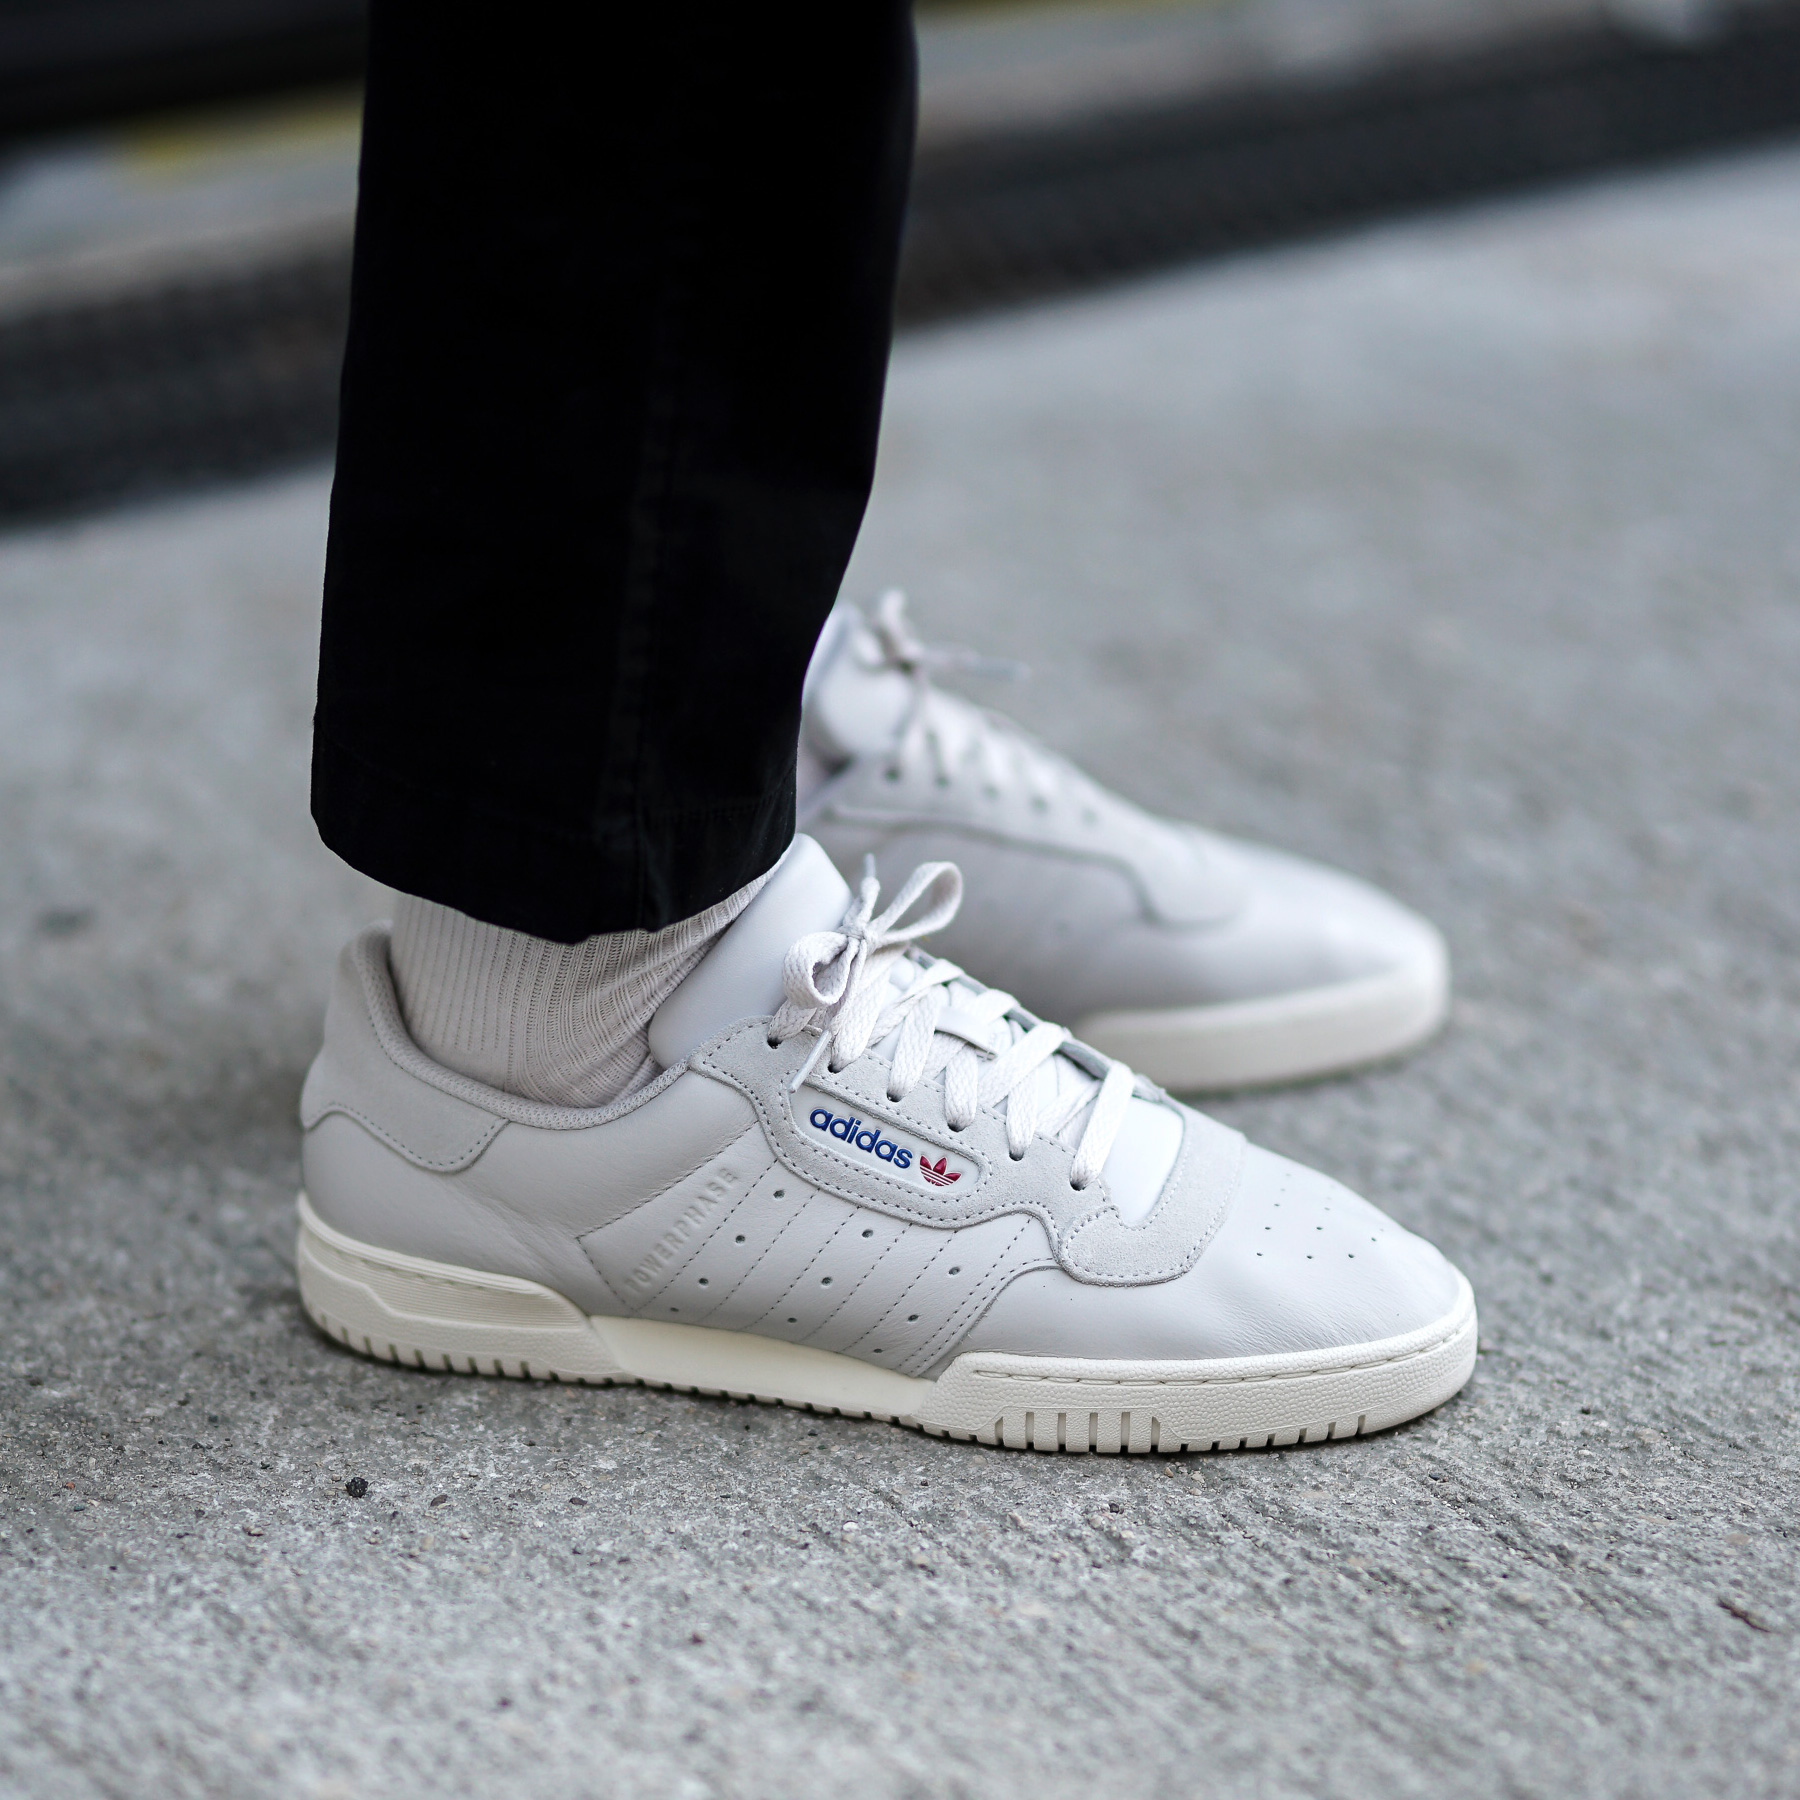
(855, 703)
(740, 976)
(1143, 1154)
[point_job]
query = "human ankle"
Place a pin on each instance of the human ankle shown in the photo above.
(565, 1024)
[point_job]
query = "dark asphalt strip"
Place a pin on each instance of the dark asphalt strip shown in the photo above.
(223, 374)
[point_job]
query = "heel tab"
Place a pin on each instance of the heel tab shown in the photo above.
(372, 1071)
(369, 1069)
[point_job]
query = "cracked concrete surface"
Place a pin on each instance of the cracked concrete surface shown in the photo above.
(1464, 553)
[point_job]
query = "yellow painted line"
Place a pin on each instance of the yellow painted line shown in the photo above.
(184, 145)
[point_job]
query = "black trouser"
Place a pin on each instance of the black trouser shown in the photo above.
(619, 326)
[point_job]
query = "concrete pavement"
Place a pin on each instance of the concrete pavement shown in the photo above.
(1462, 553)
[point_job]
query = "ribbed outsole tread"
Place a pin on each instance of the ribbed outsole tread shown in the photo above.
(1101, 1432)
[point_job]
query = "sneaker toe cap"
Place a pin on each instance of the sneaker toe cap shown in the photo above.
(1301, 1263)
(1301, 925)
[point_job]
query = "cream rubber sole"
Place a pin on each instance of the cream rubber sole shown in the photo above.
(431, 1315)
(1287, 1037)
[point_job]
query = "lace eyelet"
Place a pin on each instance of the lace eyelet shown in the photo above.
(1011, 1158)
(773, 1043)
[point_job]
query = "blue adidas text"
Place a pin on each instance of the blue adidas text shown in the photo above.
(866, 1138)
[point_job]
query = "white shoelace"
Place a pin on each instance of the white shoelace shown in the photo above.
(957, 737)
(845, 983)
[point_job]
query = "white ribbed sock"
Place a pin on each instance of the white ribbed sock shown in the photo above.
(567, 1024)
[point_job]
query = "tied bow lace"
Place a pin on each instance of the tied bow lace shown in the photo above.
(958, 738)
(902, 648)
(989, 1051)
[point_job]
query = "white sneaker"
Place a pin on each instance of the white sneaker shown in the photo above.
(889, 1193)
(1206, 962)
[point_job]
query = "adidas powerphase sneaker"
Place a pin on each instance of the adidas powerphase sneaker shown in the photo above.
(866, 1184)
(1208, 963)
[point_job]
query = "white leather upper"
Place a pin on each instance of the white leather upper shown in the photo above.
(522, 1205)
(1078, 902)
(768, 1253)
(1071, 939)
(740, 976)
(1301, 1263)
(687, 1203)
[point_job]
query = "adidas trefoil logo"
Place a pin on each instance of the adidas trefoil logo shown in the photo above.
(936, 1174)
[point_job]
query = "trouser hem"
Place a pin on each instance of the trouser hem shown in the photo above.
(637, 872)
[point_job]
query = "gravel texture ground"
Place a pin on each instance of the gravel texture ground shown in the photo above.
(1464, 553)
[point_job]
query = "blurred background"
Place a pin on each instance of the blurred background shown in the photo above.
(178, 176)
